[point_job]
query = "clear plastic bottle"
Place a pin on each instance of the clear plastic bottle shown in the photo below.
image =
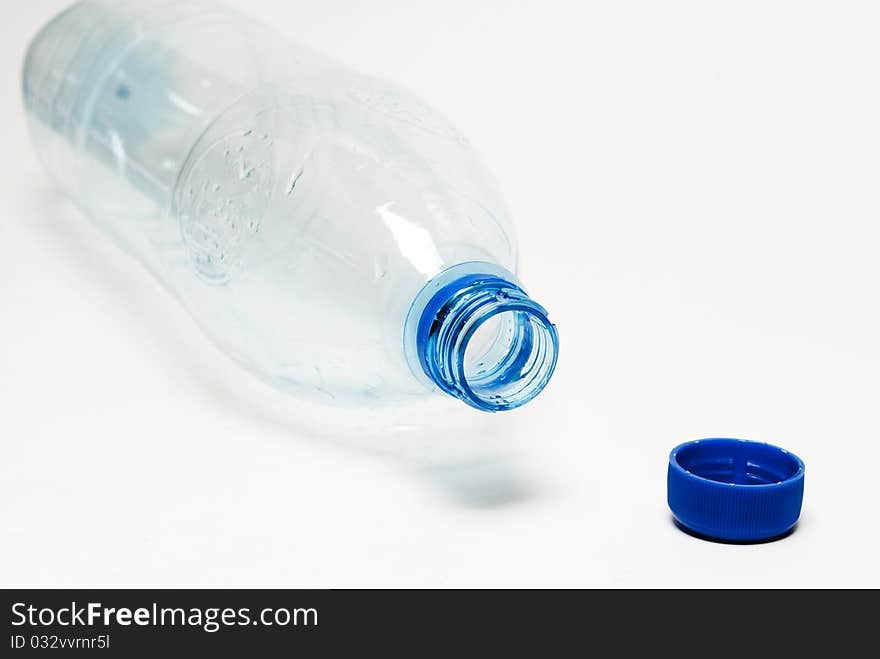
(328, 230)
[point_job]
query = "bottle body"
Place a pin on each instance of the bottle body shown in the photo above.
(297, 209)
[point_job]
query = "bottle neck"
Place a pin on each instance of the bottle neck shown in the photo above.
(482, 339)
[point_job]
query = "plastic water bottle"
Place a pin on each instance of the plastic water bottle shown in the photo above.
(326, 229)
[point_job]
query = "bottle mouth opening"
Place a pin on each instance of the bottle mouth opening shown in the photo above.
(507, 357)
(482, 339)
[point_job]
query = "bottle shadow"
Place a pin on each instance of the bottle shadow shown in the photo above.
(457, 452)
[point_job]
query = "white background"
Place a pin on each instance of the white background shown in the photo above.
(696, 190)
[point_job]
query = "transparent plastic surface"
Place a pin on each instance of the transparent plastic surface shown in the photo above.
(299, 210)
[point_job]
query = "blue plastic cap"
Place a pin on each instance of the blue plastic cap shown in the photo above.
(735, 490)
